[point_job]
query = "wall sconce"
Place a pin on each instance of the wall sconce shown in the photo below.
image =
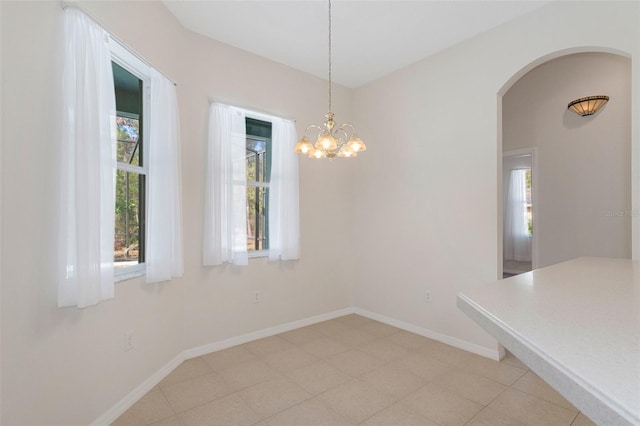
(589, 105)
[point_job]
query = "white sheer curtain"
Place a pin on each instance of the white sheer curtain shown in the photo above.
(225, 226)
(86, 231)
(517, 244)
(284, 216)
(164, 258)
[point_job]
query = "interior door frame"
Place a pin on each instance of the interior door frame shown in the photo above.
(534, 202)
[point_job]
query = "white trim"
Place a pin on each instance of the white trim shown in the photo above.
(252, 113)
(130, 168)
(121, 55)
(129, 272)
(255, 254)
(141, 69)
(132, 397)
(255, 184)
(73, 4)
(267, 332)
(425, 332)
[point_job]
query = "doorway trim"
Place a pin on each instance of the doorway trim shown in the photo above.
(534, 203)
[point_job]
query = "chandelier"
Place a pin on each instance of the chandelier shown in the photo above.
(333, 140)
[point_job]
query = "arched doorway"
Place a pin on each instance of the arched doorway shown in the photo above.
(583, 163)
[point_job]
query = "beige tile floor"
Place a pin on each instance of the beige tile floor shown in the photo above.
(351, 371)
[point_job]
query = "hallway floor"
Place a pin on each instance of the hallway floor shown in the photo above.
(515, 267)
(351, 371)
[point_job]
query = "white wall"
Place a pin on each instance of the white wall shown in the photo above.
(423, 197)
(427, 191)
(67, 366)
(583, 163)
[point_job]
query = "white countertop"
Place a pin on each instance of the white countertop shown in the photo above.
(577, 325)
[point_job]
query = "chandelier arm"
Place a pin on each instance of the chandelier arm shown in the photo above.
(353, 129)
(341, 141)
(313, 126)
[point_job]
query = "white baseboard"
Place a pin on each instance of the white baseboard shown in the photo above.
(452, 341)
(271, 331)
(132, 397)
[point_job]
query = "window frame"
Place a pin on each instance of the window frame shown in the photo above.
(130, 62)
(252, 254)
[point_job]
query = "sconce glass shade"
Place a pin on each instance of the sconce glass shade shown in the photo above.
(304, 146)
(589, 105)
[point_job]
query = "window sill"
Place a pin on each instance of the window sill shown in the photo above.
(258, 253)
(130, 272)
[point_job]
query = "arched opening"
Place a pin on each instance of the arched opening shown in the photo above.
(582, 179)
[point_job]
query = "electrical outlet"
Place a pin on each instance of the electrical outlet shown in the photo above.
(257, 297)
(427, 296)
(128, 340)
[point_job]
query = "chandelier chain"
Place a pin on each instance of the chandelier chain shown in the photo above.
(333, 140)
(329, 55)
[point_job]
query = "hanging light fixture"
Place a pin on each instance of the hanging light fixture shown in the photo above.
(589, 105)
(333, 141)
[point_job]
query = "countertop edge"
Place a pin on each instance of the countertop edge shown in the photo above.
(580, 393)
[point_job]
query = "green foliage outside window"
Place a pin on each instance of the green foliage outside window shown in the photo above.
(127, 196)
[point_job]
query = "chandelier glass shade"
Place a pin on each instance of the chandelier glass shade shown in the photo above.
(332, 140)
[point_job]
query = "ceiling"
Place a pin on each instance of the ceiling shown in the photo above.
(370, 38)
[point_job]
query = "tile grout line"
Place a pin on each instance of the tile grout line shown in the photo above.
(421, 351)
(302, 402)
(177, 413)
(170, 406)
(543, 399)
(574, 419)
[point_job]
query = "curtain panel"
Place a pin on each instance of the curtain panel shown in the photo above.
(225, 228)
(89, 138)
(284, 208)
(164, 218)
(517, 244)
(86, 231)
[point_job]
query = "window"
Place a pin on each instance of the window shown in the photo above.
(132, 86)
(251, 194)
(258, 169)
(101, 148)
